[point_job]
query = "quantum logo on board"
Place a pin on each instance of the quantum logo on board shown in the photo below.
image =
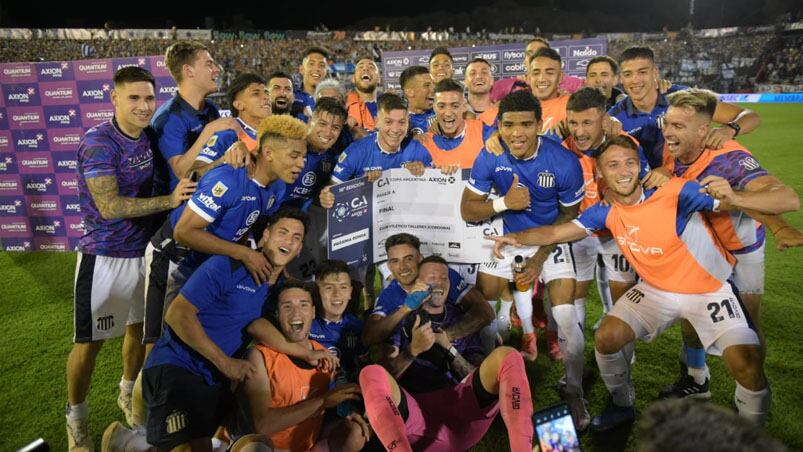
(23, 71)
(67, 139)
(35, 162)
(31, 117)
(101, 115)
(94, 68)
(16, 226)
(60, 93)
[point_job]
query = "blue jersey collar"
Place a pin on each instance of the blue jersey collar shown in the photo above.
(252, 132)
(532, 157)
(633, 111)
(184, 105)
(379, 146)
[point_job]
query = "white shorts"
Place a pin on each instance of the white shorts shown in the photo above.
(748, 273)
(467, 271)
(719, 317)
(109, 295)
(585, 254)
(559, 264)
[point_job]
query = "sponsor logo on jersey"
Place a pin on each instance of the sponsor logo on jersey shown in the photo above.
(631, 241)
(208, 202)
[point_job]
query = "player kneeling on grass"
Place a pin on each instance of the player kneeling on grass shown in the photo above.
(684, 270)
(186, 376)
(284, 401)
(431, 397)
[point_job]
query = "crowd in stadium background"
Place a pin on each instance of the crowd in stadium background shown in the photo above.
(726, 60)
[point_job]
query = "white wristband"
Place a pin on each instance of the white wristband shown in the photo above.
(499, 205)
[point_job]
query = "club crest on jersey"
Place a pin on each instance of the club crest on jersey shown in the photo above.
(212, 141)
(341, 158)
(271, 201)
(749, 163)
(546, 179)
(219, 189)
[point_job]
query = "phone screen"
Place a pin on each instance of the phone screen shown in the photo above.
(554, 429)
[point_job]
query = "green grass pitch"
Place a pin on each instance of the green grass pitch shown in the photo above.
(36, 314)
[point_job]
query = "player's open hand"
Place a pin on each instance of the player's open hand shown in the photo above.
(561, 129)
(423, 337)
(502, 241)
(518, 196)
(494, 145)
(340, 394)
(655, 178)
(718, 136)
(183, 191)
(326, 197)
(256, 263)
(237, 155)
(236, 369)
(415, 168)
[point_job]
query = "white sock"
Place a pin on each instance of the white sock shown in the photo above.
(550, 320)
(524, 307)
(126, 386)
(504, 308)
(604, 289)
(488, 333)
(615, 373)
(138, 441)
(78, 413)
(572, 344)
(699, 375)
(753, 405)
(580, 309)
(629, 352)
